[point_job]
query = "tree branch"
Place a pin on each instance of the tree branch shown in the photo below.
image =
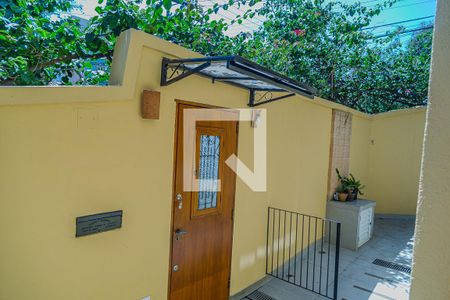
(68, 58)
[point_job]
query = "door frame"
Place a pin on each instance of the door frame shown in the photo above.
(175, 145)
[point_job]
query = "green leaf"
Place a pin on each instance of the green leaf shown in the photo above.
(167, 4)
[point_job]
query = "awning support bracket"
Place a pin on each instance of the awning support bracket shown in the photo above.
(171, 74)
(256, 99)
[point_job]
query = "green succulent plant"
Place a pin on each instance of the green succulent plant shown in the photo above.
(349, 183)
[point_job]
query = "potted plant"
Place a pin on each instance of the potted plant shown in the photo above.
(342, 194)
(349, 185)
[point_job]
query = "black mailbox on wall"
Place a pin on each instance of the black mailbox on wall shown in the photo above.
(91, 224)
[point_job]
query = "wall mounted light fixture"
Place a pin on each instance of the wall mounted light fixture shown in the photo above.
(256, 118)
(150, 104)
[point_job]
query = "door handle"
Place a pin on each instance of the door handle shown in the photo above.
(179, 233)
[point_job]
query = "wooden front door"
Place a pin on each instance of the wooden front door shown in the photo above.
(202, 221)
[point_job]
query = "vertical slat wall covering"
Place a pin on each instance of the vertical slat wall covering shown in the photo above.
(341, 133)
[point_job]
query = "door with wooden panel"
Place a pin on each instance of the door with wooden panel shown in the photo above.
(202, 221)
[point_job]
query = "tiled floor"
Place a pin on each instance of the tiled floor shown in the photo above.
(359, 278)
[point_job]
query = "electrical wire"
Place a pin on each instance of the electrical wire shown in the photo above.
(250, 20)
(407, 5)
(396, 23)
(403, 32)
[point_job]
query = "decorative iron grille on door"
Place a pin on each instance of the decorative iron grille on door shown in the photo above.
(303, 250)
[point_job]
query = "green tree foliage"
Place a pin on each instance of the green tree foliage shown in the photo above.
(41, 41)
(319, 42)
(324, 44)
(34, 41)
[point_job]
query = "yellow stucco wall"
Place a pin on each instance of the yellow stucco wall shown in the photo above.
(385, 153)
(72, 151)
(431, 264)
(359, 150)
(394, 162)
(298, 148)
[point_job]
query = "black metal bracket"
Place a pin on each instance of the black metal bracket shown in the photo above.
(171, 73)
(256, 98)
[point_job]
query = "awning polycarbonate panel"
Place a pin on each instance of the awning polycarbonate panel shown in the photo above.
(220, 72)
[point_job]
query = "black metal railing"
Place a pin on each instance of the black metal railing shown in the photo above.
(303, 250)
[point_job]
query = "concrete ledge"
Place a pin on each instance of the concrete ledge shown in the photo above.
(395, 216)
(399, 112)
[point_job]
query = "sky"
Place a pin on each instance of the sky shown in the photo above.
(401, 11)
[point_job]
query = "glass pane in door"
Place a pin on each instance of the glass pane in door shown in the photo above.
(208, 172)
